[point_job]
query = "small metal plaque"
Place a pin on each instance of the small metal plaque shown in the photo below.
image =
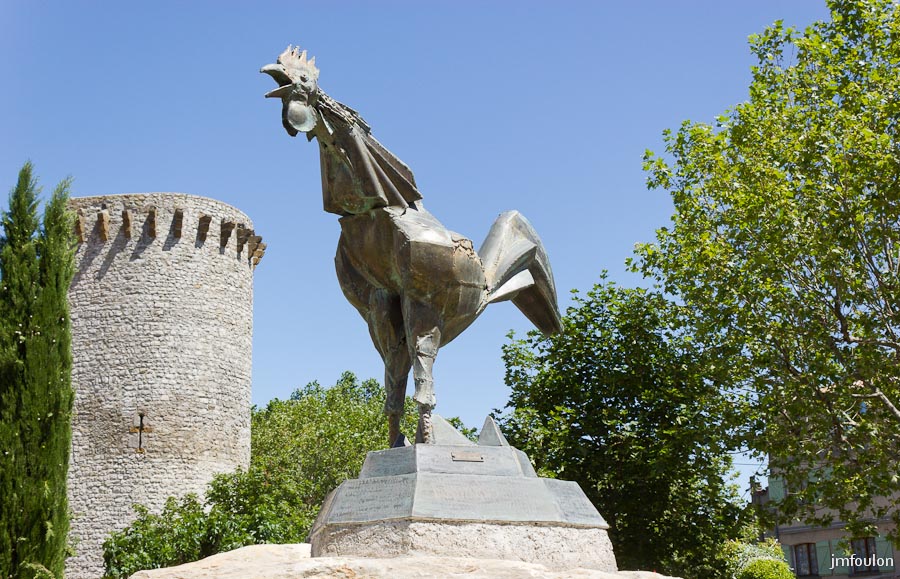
(466, 456)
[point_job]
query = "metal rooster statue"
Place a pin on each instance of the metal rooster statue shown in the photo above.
(417, 284)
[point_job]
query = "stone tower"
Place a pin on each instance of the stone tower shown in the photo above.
(162, 320)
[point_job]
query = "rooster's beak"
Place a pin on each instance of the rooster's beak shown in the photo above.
(277, 72)
(279, 92)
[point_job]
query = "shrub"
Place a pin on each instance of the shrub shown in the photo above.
(766, 569)
(174, 536)
(301, 449)
(740, 554)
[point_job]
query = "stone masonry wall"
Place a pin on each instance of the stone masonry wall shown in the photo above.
(162, 319)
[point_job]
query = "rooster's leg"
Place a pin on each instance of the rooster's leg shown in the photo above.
(385, 318)
(423, 336)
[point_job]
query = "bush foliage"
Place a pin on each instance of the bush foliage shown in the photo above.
(766, 569)
(739, 554)
(301, 449)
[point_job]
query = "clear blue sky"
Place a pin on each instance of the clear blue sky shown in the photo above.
(537, 106)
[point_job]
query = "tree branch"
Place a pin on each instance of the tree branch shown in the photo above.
(877, 393)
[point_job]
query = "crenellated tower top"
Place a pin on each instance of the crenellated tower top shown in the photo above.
(169, 218)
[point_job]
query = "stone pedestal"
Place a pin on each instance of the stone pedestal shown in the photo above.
(455, 498)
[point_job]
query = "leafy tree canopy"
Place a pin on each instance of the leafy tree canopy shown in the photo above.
(619, 402)
(785, 248)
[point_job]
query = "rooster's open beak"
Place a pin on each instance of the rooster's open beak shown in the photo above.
(279, 92)
(277, 72)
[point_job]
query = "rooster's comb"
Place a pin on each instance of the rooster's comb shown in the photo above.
(294, 58)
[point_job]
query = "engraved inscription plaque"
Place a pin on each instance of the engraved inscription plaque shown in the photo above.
(373, 499)
(390, 462)
(326, 508)
(483, 498)
(573, 503)
(495, 460)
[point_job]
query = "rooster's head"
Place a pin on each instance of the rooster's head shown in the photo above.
(297, 88)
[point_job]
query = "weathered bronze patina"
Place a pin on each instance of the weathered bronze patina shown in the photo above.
(417, 284)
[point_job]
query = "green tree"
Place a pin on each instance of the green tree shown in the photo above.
(320, 436)
(301, 449)
(785, 246)
(619, 403)
(36, 267)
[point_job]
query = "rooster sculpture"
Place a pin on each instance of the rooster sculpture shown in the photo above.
(416, 284)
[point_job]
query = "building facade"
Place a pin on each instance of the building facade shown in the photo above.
(830, 551)
(162, 321)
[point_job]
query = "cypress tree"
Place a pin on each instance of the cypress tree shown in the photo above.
(36, 268)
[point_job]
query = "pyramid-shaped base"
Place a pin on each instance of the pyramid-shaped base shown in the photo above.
(458, 499)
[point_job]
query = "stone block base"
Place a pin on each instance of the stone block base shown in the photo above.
(556, 547)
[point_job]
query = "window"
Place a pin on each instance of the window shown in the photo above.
(864, 557)
(805, 562)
